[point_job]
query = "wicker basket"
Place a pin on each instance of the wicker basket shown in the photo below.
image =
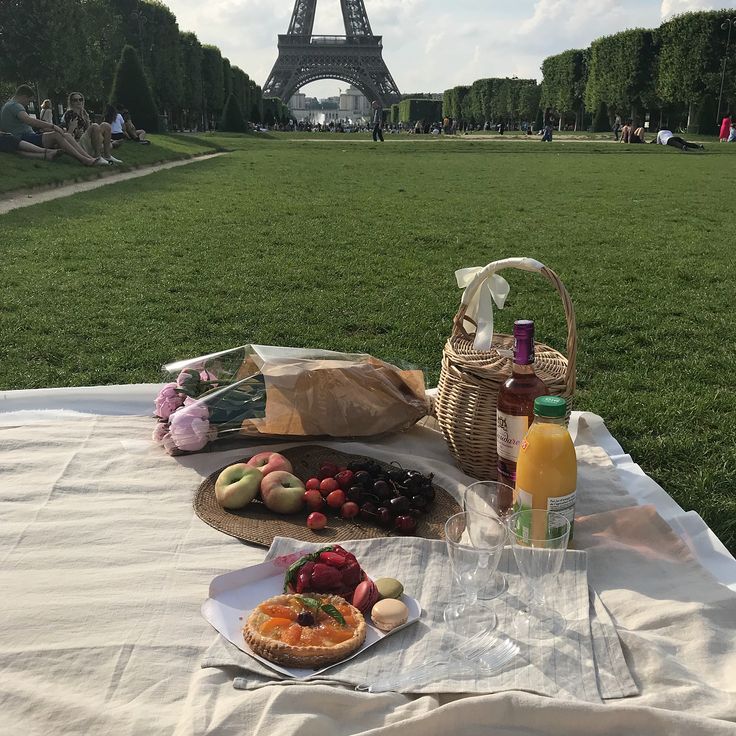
(467, 395)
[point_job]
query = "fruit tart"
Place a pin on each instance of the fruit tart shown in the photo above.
(305, 631)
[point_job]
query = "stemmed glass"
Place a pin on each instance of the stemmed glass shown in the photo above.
(492, 499)
(474, 545)
(539, 540)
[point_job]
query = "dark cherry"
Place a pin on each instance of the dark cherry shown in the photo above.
(385, 517)
(357, 465)
(363, 479)
(419, 502)
(370, 498)
(400, 505)
(305, 618)
(428, 493)
(416, 513)
(405, 524)
(381, 487)
(355, 493)
(397, 476)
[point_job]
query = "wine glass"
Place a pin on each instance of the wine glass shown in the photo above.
(539, 540)
(474, 546)
(490, 498)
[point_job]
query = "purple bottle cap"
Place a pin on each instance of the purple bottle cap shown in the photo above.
(523, 342)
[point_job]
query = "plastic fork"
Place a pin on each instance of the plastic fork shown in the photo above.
(486, 648)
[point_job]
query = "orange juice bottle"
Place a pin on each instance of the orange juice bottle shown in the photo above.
(546, 471)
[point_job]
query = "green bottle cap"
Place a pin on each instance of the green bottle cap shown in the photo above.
(550, 406)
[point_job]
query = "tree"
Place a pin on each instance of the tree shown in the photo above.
(131, 89)
(232, 117)
(227, 78)
(563, 84)
(191, 54)
(621, 72)
(601, 121)
(212, 81)
(692, 47)
(161, 54)
(39, 44)
(425, 110)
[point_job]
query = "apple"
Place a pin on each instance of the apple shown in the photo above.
(237, 485)
(282, 492)
(269, 462)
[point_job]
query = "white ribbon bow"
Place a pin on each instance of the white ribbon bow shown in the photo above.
(494, 288)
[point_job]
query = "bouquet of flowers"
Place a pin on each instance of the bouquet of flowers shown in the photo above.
(263, 391)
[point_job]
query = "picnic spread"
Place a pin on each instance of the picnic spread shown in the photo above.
(297, 542)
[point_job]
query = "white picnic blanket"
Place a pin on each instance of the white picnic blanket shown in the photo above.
(105, 565)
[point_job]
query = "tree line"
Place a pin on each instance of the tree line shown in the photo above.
(78, 45)
(672, 74)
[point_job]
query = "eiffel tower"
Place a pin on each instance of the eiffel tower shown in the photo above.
(355, 58)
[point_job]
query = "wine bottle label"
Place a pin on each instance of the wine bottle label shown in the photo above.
(510, 431)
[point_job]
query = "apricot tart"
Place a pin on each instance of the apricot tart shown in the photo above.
(305, 631)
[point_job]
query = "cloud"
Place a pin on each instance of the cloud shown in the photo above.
(674, 7)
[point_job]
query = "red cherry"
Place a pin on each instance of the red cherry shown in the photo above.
(405, 524)
(314, 500)
(349, 510)
(328, 485)
(312, 484)
(316, 521)
(336, 499)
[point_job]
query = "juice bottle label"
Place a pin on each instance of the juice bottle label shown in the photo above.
(564, 505)
(510, 431)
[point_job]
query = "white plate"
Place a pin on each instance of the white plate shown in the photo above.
(235, 594)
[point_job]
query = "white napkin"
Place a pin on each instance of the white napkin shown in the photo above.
(586, 663)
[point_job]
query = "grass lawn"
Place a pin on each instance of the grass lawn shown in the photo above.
(317, 241)
(22, 173)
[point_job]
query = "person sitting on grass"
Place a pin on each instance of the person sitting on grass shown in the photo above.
(732, 134)
(94, 138)
(11, 144)
(14, 119)
(639, 135)
(666, 137)
(134, 134)
(116, 122)
(626, 132)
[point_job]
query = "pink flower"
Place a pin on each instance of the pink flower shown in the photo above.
(190, 427)
(160, 431)
(168, 401)
(188, 376)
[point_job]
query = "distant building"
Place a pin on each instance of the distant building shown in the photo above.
(354, 107)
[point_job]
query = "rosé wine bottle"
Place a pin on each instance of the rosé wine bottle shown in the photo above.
(515, 411)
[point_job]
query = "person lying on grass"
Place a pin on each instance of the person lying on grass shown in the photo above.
(668, 138)
(14, 119)
(94, 138)
(11, 144)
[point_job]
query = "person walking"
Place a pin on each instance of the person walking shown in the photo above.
(377, 121)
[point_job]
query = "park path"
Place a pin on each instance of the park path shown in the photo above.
(27, 198)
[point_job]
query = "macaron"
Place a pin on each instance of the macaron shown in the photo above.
(365, 595)
(389, 588)
(389, 613)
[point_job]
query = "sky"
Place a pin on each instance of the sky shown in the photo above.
(430, 45)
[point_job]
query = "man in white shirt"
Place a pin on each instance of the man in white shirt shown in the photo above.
(668, 138)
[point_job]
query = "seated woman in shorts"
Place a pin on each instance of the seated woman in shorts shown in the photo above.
(94, 138)
(11, 144)
(115, 120)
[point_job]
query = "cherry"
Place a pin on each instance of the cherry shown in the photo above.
(405, 524)
(336, 499)
(312, 484)
(385, 517)
(349, 510)
(316, 520)
(314, 500)
(328, 485)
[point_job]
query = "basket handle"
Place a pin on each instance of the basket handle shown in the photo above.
(483, 286)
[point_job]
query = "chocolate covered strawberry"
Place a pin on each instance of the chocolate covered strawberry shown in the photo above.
(328, 570)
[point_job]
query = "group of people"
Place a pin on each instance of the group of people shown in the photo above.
(88, 142)
(728, 129)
